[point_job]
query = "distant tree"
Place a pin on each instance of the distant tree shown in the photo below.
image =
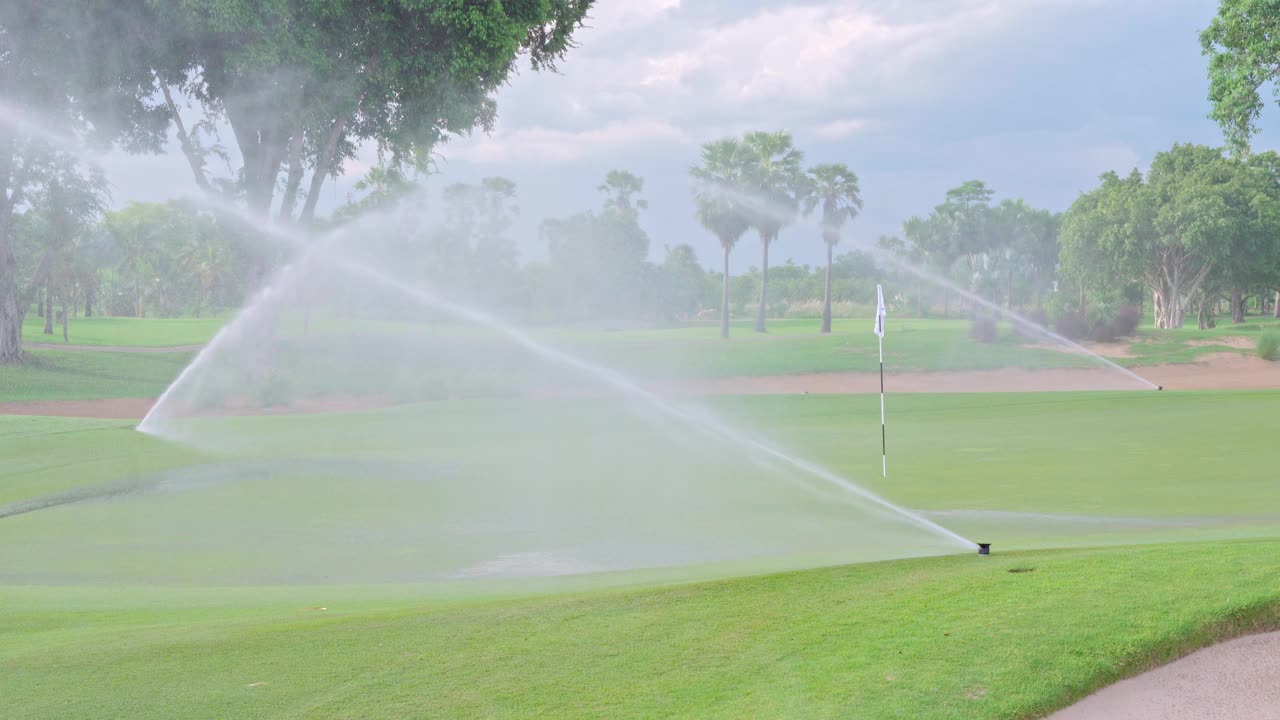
(620, 186)
(966, 219)
(772, 177)
(1195, 216)
(45, 79)
(1027, 240)
(834, 188)
(720, 209)
(684, 283)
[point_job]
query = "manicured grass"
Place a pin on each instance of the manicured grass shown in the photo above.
(677, 353)
(128, 332)
(134, 616)
(934, 638)
(80, 375)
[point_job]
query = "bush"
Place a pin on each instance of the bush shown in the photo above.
(1103, 331)
(1269, 345)
(1071, 325)
(1039, 317)
(983, 329)
(1126, 320)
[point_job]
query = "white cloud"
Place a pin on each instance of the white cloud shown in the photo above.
(541, 144)
(841, 129)
(629, 14)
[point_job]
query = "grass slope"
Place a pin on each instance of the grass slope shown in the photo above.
(933, 638)
(76, 375)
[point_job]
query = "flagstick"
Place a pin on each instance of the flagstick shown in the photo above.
(884, 455)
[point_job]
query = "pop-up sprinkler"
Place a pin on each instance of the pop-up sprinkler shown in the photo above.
(984, 548)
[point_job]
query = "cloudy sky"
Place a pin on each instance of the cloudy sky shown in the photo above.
(1035, 97)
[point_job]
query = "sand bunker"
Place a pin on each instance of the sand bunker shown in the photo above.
(1235, 680)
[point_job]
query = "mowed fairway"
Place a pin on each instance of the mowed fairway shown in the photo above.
(1163, 506)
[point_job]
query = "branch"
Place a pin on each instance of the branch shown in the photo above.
(184, 139)
(38, 277)
(322, 169)
(295, 174)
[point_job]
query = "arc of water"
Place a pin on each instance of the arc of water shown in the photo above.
(612, 378)
(761, 205)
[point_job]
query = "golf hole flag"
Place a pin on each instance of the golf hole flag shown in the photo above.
(880, 313)
(884, 456)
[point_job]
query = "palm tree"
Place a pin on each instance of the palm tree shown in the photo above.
(773, 178)
(834, 187)
(719, 209)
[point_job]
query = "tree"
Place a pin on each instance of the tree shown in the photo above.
(773, 179)
(1027, 238)
(620, 186)
(1243, 44)
(965, 218)
(599, 262)
(683, 283)
(42, 76)
(720, 210)
(1173, 229)
(834, 188)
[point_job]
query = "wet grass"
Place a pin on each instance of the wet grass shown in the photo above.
(128, 332)
(73, 375)
(932, 638)
(945, 637)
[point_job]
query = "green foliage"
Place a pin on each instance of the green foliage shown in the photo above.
(1197, 221)
(1269, 345)
(1242, 43)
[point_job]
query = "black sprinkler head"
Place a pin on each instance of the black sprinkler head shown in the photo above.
(984, 548)
(1159, 387)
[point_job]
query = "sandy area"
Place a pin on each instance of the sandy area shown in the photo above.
(1220, 371)
(1224, 371)
(1235, 680)
(116, 348)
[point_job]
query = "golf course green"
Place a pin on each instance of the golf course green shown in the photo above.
(292, 565)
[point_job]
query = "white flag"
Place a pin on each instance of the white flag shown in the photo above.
(879, 311)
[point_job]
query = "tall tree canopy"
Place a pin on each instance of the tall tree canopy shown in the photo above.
(1243, 45)
(772, 176)
(834, 188)
(716, 193)
(297, 84)
(1194, 220)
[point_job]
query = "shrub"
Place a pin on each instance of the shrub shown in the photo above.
(1072, 325)
(1039, 317)
(1103, 331)
(983, 329)
(1269, 345)
(1126, 320)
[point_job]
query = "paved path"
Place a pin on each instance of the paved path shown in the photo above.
(1234, 680)
(115, 348)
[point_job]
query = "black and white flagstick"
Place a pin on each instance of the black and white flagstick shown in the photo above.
(884, 454)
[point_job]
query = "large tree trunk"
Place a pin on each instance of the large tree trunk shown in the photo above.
(724, 294)
(1275, 306)
(919, 298)
(1237, 305)
(826, 297)
(65, 317)
(11, 311)
(764, 282)
(1008, 296)
(1035, 285)
(48, 310)
(89, 292)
